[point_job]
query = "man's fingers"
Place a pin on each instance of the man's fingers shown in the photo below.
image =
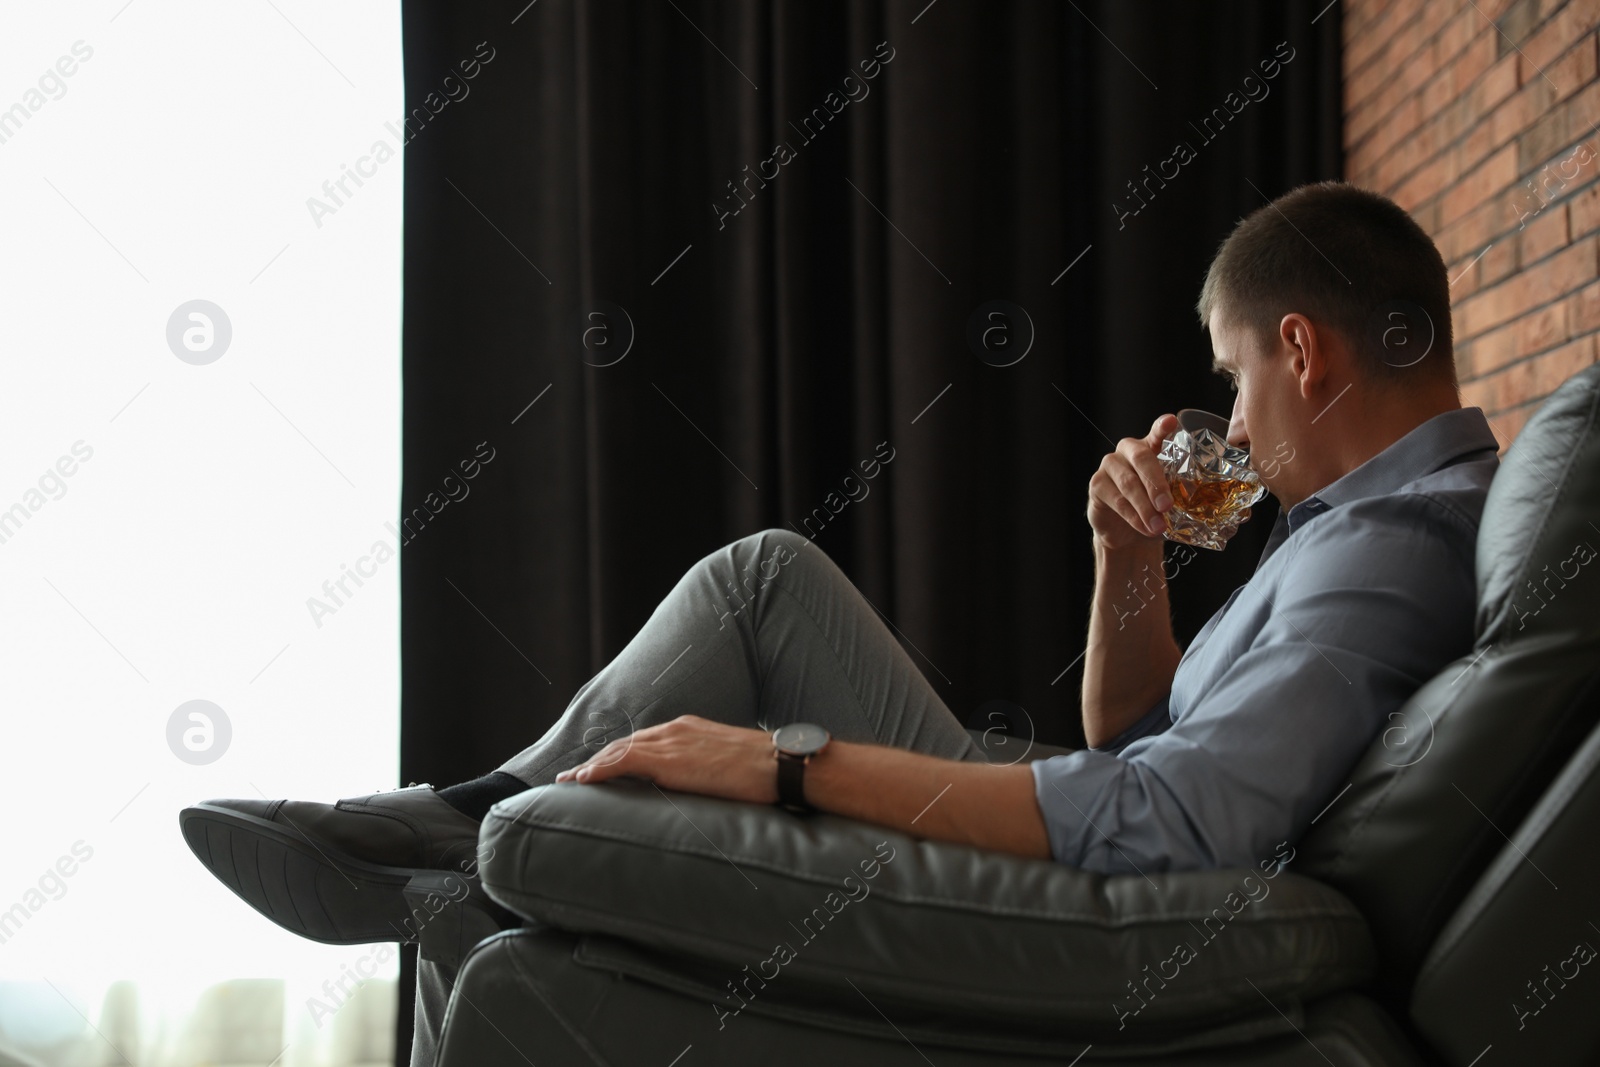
(1164, 427)
(1109, 500)
(613, 750)
(603, 766)
(1144, 463)
(599, 772)
(1134, 488)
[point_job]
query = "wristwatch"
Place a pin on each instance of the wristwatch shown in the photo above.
(793, 745)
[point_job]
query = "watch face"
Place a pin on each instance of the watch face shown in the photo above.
(800, 738)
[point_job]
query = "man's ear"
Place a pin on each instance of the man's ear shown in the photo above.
(1308, 349)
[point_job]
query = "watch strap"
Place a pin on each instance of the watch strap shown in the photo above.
(791, 782)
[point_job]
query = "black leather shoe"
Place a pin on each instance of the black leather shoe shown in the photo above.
(396, 866)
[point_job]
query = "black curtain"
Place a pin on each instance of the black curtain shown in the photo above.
(635, 329)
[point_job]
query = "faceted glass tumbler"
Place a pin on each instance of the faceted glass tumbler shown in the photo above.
(1212, 484)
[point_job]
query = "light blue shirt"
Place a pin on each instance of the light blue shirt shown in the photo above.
(1365, 591)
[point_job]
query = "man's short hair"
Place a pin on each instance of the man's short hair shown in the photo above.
(1346, 258)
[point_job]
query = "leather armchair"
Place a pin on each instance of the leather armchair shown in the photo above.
(1440, 911)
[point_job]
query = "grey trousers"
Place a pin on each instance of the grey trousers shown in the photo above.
(762, 632)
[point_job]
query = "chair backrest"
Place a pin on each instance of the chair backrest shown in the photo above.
(1466, 759)
(1498, 973)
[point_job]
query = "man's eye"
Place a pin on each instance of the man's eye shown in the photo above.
(1233, 384)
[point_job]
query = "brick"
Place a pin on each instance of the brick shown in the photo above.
(1583, 310)
(1381, 111)
(1438, 92)
(1510, 388)
(1459, 30)
(1364, 47)
(1475, 231)
(1479, 55)
(1497, 84)
(1361, 86)
(1541, 329)
(1508, 424)
(1464, 279)
(1435, 17)
(1493, 9)
(1489, 352)
(1555, 276)
(1406, 63)
(1357, 16)
(1478, 142)
(1477, 394)
(1543, 234)
(1517, 24)
(1518, 385)
(1585, 108)
(1418, 69)
(1553, 368)
(1566, 75)
(1426, 182)
(1521, 205)
(1496, 173)
(1533, 287)
(1395, 126)
(1405, 42)
(1427, 217)
(1409, 154)
(1579, 109)
(1546, 137)
(1419, 65)
(1380, 95)
(1556, 34)
(1486, 309)
(1520, 110)
(1540, 193)
(1499, 262)
(1584, 206)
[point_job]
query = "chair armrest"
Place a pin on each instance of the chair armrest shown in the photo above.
(844, 907)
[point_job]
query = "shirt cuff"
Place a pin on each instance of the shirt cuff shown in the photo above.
(1154, 721)
(1076, 793)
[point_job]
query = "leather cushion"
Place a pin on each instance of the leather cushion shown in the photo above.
(1541, 523)
(529, 996)
(1530, 920)
(1474, 748)
(867, 911)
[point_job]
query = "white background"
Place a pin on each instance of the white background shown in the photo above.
(176, 166)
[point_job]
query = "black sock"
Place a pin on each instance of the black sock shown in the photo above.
(474, 799)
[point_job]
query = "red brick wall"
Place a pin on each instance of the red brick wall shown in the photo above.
(1480, 119)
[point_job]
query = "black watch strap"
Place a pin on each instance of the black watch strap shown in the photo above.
(791, 782)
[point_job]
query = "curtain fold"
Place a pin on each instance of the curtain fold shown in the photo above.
(794, 256)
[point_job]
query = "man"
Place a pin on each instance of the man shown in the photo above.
(1329, 313)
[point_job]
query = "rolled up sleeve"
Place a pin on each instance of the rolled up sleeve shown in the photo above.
(1369, 601)
(1152, 722)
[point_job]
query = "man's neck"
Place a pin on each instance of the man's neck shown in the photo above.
(1368, 428)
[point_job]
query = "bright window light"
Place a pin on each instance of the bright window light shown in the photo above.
(200, 427)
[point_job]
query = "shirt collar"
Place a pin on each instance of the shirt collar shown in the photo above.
(1430, 446)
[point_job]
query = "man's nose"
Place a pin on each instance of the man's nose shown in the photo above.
(1238, 436)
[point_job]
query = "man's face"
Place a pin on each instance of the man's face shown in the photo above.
(1267, 406)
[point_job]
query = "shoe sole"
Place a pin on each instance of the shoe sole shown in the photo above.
(326, 895)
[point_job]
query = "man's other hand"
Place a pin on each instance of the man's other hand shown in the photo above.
(691, 755)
